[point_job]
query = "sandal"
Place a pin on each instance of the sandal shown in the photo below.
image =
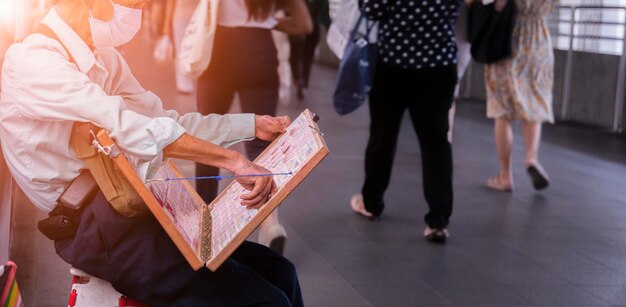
(538, 176)
(495, 183)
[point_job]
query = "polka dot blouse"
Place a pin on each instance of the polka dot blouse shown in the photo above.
(414, 34)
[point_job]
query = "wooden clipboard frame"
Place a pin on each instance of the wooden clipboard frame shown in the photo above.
(194, 255)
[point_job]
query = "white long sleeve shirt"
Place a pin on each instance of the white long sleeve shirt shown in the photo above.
(43, 92)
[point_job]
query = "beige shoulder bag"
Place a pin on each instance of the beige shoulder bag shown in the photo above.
(117, 190)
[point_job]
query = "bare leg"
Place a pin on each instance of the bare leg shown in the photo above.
(531, 131)
(532, 136)
(503, 133)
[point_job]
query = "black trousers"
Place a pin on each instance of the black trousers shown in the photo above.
(138, 258)
(302, 54)
(244, 62)
(427, 94)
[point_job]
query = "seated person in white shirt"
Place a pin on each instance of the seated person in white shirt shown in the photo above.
(74, 74)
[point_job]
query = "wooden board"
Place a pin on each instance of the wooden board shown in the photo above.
(206, 235)
(161, 214)
(299, 150)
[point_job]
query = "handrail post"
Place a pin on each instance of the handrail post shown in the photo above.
(618, 110)
(567, 79)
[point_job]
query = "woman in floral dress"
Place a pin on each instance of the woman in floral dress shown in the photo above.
(521, 88)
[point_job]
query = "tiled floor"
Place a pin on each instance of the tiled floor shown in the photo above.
(565, 246)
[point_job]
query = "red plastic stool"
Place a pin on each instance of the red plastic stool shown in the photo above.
(88, 291)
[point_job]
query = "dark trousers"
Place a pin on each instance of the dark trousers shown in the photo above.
(427, 94)
(302, 52)
(138, 258)
(244, 62)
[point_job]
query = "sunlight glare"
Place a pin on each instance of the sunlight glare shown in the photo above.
(6, 12)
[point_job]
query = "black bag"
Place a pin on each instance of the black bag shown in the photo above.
(491, 32)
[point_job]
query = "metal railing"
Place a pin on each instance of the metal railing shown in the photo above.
(573, 35)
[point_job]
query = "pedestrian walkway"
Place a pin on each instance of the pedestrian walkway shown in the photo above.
(563, 246)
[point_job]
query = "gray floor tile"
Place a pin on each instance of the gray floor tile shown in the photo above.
(614, 295)
(557, 294)
(592, 277)
(480, 294)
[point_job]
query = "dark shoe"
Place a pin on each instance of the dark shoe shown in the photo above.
(436, 235)
(300, 93)
(538, 176)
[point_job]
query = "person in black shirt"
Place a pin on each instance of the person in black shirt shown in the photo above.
(416, 70)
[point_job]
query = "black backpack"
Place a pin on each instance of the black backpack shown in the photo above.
(491, 32)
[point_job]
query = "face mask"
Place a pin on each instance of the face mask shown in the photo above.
(119, 31)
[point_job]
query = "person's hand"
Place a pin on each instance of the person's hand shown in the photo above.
(261, 188)
(268, 128)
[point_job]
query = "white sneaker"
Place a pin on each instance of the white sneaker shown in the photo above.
(274, 237)
(358, 206)
(185, 85)
(436, 235)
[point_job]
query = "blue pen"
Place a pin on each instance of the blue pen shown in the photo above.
(220, 177)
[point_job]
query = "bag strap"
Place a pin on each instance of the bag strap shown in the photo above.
(355, 30)
(46, 31)
(369, 25)
(81, 141)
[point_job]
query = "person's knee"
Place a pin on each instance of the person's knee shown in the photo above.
(289, 269)
(288, 280)
(278, 299)
(434, 138)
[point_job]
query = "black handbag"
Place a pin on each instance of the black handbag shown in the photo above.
(491, 32)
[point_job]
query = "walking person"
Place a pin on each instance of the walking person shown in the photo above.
(302, 47)
(244, 62)
(416, 70)
(521, 88)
